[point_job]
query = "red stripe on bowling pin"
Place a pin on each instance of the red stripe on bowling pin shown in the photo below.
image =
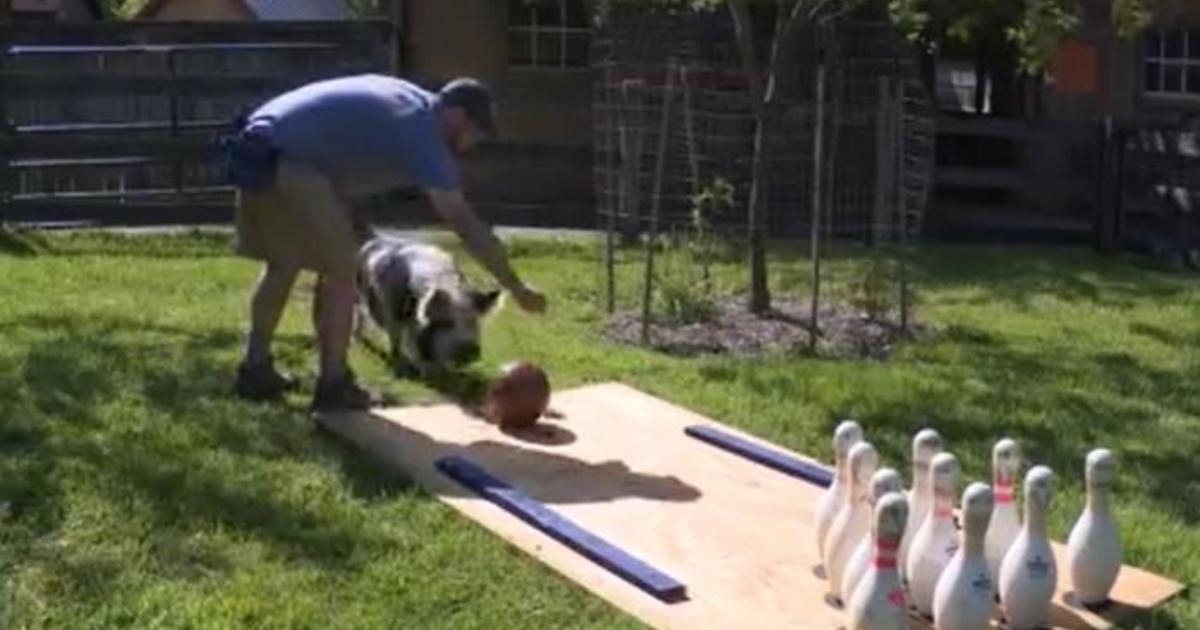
(885, 554)
(1004, 488)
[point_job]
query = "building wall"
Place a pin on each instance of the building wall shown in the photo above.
(203, 10)
(75, 11)
(544, 156)
(1175, 13)
(1118, 82)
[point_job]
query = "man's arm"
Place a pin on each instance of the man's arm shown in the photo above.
(483, 245)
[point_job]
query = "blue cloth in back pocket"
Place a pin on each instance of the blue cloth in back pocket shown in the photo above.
(249, 156)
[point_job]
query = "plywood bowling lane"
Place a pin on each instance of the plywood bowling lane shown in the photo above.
(618, 463)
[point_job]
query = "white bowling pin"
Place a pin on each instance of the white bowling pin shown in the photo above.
(963, 599)
(884, 481)
(854, 520)
(937, 541)
(1094, 546)
(1006, 522)
(1029, 574)
(879, 601)
(848, 434)
(926, 444)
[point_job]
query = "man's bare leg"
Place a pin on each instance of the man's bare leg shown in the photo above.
(334, 310)
(257, 377)
(266, 309)
(333, 317)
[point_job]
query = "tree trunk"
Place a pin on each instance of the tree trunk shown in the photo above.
(789, 13)
(760, 296)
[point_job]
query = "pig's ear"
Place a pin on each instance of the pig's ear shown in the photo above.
(435, 305)
(486, 302)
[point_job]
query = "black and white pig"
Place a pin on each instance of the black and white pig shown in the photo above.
(416, 295)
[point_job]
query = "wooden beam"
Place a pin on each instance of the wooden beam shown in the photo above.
(980, 177)
(600, 551)
(65, 147)
(360, 34)
(187, 212)
(786, 464)
(41, 85)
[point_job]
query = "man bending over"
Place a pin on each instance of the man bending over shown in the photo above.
(300, 163)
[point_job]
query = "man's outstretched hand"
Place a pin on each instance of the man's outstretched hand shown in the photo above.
(530, 300)
(483, 245)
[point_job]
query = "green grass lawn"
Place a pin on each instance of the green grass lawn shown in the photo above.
(140, 494)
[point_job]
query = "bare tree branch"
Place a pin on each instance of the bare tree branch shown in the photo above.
(744, 26)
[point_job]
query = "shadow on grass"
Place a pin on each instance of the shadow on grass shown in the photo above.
(21, 242)
(29, 481)
(143, 413)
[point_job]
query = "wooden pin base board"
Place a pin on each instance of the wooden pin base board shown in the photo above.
(739, 535)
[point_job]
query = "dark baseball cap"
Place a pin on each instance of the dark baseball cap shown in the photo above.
(475, 99)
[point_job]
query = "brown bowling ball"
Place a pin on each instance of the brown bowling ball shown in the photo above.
(519, 397)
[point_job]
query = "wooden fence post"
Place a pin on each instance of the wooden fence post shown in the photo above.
(817, 199)
(656, 200)
(694, 163)
(7, 133)
(883, 163)
(901, 202)
(173, 91)
(613, 202)
(396, 27)
(632, 138)
(1108, 187)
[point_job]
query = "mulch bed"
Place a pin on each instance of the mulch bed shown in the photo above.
(846, 333)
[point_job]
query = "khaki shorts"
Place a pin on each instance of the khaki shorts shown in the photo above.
(298, 222)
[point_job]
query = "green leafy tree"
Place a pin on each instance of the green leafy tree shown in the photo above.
(1007, 36)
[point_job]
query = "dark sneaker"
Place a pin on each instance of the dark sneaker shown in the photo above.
(262, 382)
(343, 394)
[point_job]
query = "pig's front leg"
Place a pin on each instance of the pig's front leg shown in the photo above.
(401, 365)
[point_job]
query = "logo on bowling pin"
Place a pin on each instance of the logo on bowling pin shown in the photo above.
(1029, 574)
(1094, 546)
(879, 601)
(848, 434)
(963, 598)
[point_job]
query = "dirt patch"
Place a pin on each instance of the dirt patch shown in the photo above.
(845, 332)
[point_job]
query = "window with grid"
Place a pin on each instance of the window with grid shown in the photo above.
(548, 33)
(1172, 62)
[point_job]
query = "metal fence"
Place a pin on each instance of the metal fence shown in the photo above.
(119, 123)
(1150, 190)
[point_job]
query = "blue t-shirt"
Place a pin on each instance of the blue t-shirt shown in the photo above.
(369, 133)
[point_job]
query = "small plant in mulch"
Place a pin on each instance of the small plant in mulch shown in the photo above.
(873, 290)
(684, 290)
(690, 315)
(693, 318)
